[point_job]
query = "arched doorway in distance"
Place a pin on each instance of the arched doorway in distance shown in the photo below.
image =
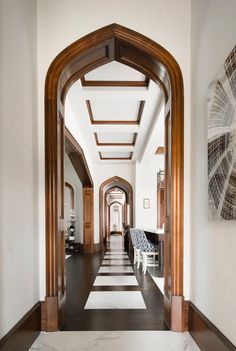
(106, 187)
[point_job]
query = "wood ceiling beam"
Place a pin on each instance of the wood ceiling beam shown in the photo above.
(115, 144)
(116, 158)
(114, 83)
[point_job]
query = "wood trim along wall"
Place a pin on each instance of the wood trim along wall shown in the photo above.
(72, 195)
(115, 144)
(114, 83)
(88, 217)
(205, 333)
(77, 157)
(116, 158)
(123, 122)
(113, 42)
(140, 111)
(24, 333)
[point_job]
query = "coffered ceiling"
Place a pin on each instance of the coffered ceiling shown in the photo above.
(116, 108)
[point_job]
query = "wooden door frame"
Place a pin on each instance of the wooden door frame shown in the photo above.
(115, 42)
(78, 160)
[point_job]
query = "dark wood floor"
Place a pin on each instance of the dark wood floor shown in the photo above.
(82, 270)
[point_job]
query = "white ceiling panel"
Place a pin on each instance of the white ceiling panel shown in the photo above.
(116, 148)
(115, 110)
(115, 93)
(110, 128)
(115, 71)
(115, 154)
(115, 138)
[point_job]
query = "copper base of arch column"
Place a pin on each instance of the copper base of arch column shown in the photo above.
(175, 312)
(121, 44)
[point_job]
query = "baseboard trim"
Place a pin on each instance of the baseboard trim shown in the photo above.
(205, 333)
(24, 333)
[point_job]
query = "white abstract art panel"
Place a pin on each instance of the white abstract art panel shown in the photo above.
(222, 142)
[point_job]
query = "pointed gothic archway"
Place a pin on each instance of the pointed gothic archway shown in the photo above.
(114, 42)
(106, 186)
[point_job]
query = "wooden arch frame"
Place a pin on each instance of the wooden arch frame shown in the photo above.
(114, 182)
(114, 42)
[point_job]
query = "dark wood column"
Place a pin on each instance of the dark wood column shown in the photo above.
(88, 218)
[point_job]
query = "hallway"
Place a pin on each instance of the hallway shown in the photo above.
(108, 293)
(117, 115)
(113, 305)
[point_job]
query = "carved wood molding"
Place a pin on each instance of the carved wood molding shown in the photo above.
(77, 157)
(115, 83)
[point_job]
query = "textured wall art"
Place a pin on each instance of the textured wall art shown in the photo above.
(222, 142)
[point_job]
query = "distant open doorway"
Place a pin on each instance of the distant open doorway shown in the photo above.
(114, 188)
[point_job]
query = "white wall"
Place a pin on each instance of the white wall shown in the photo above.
(157, 19)
(213, 243)
(72, 178)
(146, 187)
(19, 271)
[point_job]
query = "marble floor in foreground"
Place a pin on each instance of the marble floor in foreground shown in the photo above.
(115, 341)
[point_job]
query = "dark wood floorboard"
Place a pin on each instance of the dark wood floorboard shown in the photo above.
(82, 270)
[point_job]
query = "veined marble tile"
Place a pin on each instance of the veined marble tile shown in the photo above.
(116, 262)
(116, 269)
(115, 300)
(115, 340)
(116, 280)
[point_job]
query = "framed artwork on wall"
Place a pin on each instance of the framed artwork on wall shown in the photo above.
(222, 142)
(146, 203)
